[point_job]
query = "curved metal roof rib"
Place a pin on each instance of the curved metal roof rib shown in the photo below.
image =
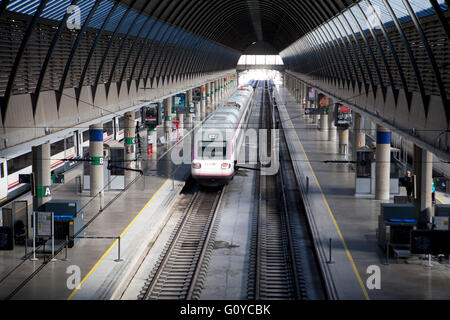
(125, 40)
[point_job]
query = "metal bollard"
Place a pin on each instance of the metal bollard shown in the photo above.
(330, 261)
(118, 251)
(66, 258)
(387, 255)
(100, 199)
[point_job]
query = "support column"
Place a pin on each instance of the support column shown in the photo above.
(130, 134)
(167, 104)
(222, 95)
(213, 96)
(332, 130)
(181, 125)
(423, 172)
(96, 166)
(208, 97)
(190, 117)
(41, 172)
(216, 93)
(197, 106)
(383, 164)
(360, 135)
(203, 104)
(343, 141)
(324, 123)
(152, 140)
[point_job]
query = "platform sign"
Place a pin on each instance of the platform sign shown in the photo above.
(179, 103)
(43, 224)
(343, 116)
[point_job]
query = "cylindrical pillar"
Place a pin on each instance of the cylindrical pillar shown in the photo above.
(360, 135)
(152, 140)
(167, 104)
(208, 97)
(343, 141)
(96, 154)
(324, 123)
(203, 103)
(130, 134)
(41, 173)
(198, 113)
(181, 124)
(332, 130)
(383, 164)
(190, 104)
(213, 96)
(218, 92)
(423, 172)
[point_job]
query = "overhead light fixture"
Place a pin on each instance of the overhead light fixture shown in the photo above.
(253, 43)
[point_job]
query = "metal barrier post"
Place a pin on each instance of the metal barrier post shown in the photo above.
(66, 258)
(429, 264)
(118, 251)
(330, 261)
(100, 199)
(307, 184)
(53, 239)
(387, 254)
(34, 238)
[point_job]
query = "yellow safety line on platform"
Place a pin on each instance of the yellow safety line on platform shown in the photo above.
(332, 217)
(115, 242)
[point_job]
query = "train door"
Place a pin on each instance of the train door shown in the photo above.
(3, 179)
(78, 144)
(116, 128)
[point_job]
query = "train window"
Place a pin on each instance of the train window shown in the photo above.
(138, 114)
(69, 143)
(216, 150)
(108, 128)
(86, 136)
(2, 175)
(19, 163)
(121, 123)
(57, 147)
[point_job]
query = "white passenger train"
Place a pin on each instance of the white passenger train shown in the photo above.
(218, 141)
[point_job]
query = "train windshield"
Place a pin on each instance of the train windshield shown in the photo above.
(214, 150)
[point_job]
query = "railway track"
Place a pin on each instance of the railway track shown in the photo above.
(179, 272)
(282, 266)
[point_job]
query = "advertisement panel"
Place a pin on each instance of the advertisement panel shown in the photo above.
(343, 116)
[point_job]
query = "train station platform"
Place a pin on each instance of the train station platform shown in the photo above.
(349, 221)
(136, 215)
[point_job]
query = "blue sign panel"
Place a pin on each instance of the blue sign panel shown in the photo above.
(179, 100)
